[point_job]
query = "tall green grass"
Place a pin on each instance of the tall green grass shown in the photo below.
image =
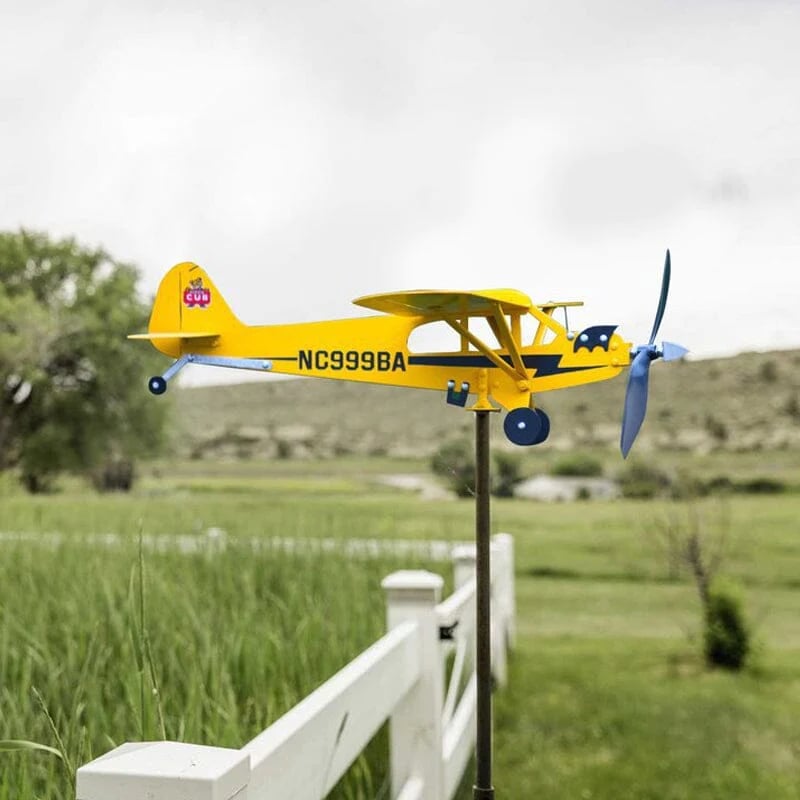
(215, 649)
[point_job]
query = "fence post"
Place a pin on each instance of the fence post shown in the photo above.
(165, 771)
(505, 543)
(463, 564)
(415, 727)
(502, 595)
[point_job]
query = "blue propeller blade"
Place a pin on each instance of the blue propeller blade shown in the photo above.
(636, 393)
(672, 352)
(635, 399)
(662, 301)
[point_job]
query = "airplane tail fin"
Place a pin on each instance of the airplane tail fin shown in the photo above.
(187, 306)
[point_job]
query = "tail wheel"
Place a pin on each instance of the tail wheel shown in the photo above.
(157, 385)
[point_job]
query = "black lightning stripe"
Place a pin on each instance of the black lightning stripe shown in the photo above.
(545, 365)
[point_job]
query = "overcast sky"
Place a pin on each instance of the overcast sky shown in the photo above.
(306, 153)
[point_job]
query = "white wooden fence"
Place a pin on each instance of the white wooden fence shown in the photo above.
(400, 678)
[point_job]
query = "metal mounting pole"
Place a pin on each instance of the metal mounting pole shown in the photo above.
(483, 789)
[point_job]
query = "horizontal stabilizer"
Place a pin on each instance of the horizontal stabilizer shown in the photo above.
(550, 305)
(175, 335)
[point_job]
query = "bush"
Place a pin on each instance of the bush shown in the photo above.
(792, 406)
(455, 462)
(716, 428)
(116, 475)
(768, 372)
(720, 484)
(687, 485)
(726, 637)
(283, 449)
(578, 465)
(507, 473)
(761, 486)
(642, 481)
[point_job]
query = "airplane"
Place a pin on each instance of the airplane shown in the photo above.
(192, 323)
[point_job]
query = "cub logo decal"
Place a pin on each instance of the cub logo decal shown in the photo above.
(195, 295)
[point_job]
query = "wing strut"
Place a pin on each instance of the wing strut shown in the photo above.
(506, 339)
(488, 352)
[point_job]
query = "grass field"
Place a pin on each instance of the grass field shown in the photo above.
(607, 698)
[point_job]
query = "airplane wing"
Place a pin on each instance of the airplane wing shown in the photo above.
(439, 304)
(175, 335)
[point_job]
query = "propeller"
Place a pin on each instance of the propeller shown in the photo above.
(639, 375)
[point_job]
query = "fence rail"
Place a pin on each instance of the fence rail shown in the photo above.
(400, 678)
(214, 540)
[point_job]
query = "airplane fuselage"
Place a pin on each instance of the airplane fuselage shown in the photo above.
(375, 350)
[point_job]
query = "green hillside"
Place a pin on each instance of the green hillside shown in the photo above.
(744, 404)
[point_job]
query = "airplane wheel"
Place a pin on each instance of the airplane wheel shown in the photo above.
(157, 385)
(544, 431)
(523, 426)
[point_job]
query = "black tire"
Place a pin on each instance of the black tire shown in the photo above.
(544, 432)
(523, 426)
(157, 385)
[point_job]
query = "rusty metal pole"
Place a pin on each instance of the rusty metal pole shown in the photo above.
(483, 789)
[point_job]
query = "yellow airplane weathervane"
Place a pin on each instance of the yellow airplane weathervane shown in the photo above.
(192, 323)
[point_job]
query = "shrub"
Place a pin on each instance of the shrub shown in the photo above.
(792, 406)
(716, 428)
(507, 473)
(720, 483)
(768, 372)
(761, 486)
(688, 542)
(726, 637)
(455, 461)
(283, 449)
(116, 475)
(687, 485)
(642, 481)
(578, 465)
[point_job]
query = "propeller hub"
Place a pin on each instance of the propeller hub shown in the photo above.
(652, 351)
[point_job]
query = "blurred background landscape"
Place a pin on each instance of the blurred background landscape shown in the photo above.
(748, 403)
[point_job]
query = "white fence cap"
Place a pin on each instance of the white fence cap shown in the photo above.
(164, 771)
(413, 579)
